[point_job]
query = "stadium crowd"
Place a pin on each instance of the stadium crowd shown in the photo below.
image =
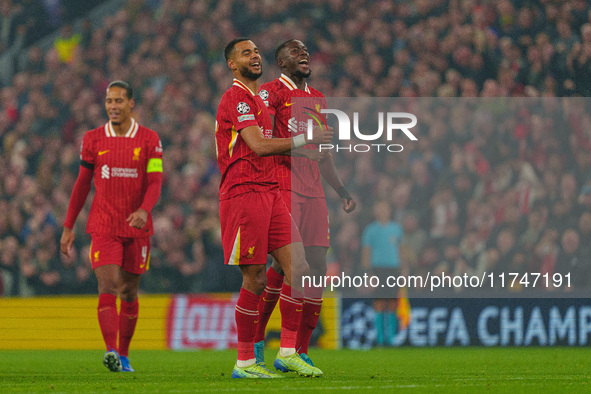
(476, 192)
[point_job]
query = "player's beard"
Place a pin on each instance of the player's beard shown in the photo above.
(245, 72)
(301, 74)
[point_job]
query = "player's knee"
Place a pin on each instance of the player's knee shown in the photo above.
(299, 268)
(318, 267)
(254, 278)
(107, 287)
(128, 290)
(276, 267)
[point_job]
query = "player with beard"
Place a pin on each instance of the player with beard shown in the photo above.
(124, 159)
(301, 187)
(254, 219)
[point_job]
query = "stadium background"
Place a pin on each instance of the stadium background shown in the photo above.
(528, 184)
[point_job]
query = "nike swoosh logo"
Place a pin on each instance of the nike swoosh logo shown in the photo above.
(256, 321)
(288, 104)
(103, 152)
(299, 310)
(317, 314)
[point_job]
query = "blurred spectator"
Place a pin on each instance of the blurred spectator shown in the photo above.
(571, 261)
(67, 44)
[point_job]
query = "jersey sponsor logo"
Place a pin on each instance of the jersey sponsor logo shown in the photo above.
(267, 133)
(102, 152)
(136, 153)
(105, 172)
(243, 108)
(117, 172)
(242, 118)
(292, 125)
(264, 94)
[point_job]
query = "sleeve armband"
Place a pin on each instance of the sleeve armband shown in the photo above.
(86, 164)
(154, 165)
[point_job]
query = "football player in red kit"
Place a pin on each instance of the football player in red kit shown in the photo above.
(254, 219)
(124, 159)
(301, 187)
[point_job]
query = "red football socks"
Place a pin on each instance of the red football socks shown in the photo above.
(108, 319)
(267, 302)
(310, 315)
(246, 322)
(290, 305)
(127, 321)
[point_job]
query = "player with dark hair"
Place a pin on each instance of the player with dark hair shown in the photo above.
(301, 187)
(254, 219)
(124, 159)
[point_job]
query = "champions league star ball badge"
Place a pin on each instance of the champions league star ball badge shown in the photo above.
(243, 108)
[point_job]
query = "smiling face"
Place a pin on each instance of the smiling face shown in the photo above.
(118, 105)
(294, 60)
(246, 60)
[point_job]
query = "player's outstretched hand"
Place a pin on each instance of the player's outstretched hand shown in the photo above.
(67, 241)
(321, 135)
(138, 219)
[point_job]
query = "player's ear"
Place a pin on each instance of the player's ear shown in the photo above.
(131, 103)
(231, 64)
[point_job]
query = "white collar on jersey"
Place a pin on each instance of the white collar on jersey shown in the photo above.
(291, 84)
(241, 84)
(130, 133)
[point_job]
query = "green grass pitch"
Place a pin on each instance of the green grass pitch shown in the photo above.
(440, 370)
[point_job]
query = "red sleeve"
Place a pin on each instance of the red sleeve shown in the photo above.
(79, 194)
(241, 111)
(271, 100)
(153, 191)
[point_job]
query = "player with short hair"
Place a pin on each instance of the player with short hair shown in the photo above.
(124, 159)
(301, 186)
(254, 219)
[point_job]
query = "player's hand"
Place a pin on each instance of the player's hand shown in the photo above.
(349, 204)
(321, 135)
(316, 156)
(138, 219)
(67, 241)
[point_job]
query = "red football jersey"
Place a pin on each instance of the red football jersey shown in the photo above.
(297, 174)
(120, 166)
(242, 170)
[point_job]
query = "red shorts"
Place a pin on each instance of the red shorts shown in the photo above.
(254, 224)
(131, 254)
(310, 214)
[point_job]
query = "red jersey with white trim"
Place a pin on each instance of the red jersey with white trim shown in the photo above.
(297, 174)
(242, 170)
(120, 165)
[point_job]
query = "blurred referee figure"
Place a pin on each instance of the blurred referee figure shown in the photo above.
(124, 159)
